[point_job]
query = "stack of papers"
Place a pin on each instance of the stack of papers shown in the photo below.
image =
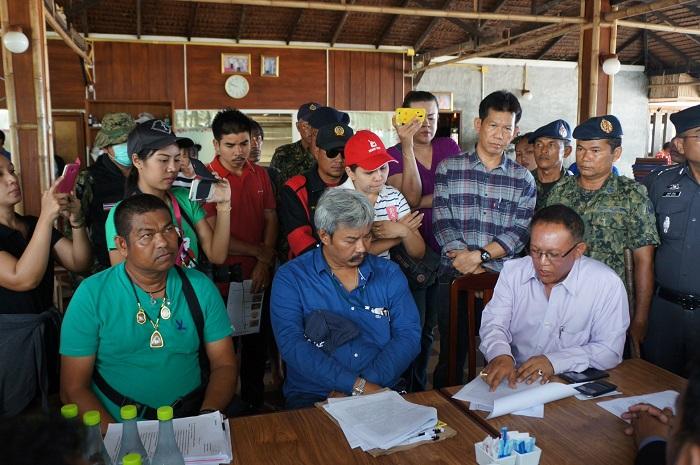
(525, 399)
(203, 440)
(660, 400)
(382, 420)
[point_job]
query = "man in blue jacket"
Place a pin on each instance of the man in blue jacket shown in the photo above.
(344, 320)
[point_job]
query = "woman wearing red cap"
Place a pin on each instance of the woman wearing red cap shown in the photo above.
(367, 166)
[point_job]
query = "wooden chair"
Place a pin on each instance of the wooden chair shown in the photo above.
(471, 284)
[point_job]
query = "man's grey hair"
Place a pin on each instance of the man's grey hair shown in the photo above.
(343, 207)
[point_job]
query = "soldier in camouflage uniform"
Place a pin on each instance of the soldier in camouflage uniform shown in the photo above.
(292, 159)
(616, 211)
(102, 184)
(552, 144)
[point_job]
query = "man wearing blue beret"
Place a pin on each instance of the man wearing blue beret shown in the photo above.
(675, 310)
(552, 144)
(615, 209)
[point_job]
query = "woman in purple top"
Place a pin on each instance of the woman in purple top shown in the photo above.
(418, 154)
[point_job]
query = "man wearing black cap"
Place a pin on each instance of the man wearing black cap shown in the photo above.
(616, 211)
(552, 144)
(301, 193)
(292, 159)
(674, 320)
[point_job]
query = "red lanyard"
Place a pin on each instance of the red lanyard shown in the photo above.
(176, 210)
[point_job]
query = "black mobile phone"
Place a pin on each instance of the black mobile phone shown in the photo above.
(596, 388)
(590, 374)
(201, 190)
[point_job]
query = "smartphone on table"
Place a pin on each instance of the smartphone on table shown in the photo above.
(70, 175)
(596, 388)
(590, 374)
(407, 115)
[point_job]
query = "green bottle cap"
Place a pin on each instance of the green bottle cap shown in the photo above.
(91, 418)
(128, 412)
(69, 411)
(132, 459)
(165, 413)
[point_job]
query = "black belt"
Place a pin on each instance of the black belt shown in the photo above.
(687, 301)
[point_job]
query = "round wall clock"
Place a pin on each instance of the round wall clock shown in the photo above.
(237, 86)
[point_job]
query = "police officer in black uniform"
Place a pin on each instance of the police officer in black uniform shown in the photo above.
(674, 320)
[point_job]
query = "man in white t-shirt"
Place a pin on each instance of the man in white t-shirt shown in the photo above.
(367, 166)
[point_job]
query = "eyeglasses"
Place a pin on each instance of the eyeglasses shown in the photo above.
(334, 153)
(551, 256)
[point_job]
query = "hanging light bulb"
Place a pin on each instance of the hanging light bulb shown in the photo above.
(14, 40)
(527, 95)
(611, 65)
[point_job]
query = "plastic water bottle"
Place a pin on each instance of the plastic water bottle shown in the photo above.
(95, 452)
(69, 411)
(132, 459)
(131, 441)
(167, 452)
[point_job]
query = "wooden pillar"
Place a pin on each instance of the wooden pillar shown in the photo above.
(28, 101)
(595, 90)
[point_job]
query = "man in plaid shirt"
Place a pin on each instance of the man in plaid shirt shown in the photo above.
(482, 207)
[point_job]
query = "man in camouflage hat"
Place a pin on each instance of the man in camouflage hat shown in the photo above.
(616, 211)
(102, 184)
(296, 158)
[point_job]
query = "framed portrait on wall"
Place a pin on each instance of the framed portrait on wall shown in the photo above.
(235, 63)
(269, 66)
(444, 100)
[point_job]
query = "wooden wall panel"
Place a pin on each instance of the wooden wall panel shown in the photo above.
(65, 76)
(131, 71)
(365, 81)
(302, 78)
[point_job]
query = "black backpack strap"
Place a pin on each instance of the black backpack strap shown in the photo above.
(198, 318)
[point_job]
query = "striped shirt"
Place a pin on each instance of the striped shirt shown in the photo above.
(391, 205)
(473, 207)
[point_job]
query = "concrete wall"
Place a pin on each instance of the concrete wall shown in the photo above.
(555, 95)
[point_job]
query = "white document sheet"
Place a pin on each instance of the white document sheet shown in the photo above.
(505, 400)
(202, 439)
(382, 420)
(659, 400)
(244, 308)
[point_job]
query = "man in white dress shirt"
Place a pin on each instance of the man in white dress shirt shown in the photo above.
(554, 310)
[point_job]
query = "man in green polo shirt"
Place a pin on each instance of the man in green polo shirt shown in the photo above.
(132, 327)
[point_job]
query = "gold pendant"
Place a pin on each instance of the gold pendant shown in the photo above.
(156, 340)
(140, 316)
(165, 312)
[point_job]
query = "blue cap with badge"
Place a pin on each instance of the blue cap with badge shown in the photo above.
(557, 129)
(686, 119)
(306, 110)
(599, 127)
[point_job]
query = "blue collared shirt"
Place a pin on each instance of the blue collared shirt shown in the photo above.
(388, 340)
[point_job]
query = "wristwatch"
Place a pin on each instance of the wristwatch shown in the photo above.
(359, 388)
(485, 255)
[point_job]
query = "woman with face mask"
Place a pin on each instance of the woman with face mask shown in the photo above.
(102, 184)
(156, 162)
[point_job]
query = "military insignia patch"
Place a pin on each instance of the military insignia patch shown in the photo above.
(312, 107)
(339, 131)
(673, 187)
(672, 194)
(606, 126)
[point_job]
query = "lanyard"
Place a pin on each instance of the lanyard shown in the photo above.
(176, 210)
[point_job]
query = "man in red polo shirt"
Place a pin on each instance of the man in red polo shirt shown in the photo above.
(253, 235)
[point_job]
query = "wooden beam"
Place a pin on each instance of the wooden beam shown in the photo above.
(469, 28)
(546, 6)
(341, 24)
(138, 19)
(677, 70)
(550, 45)
(632, 39)
(646, 8)
(240, 24)
(390, 26)
(433, 23)
(86, 23)
(66, 38)
(80, 7)
(663, 17)
(293, 27)
(391, 10)
(192, 21)
(658, 27)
